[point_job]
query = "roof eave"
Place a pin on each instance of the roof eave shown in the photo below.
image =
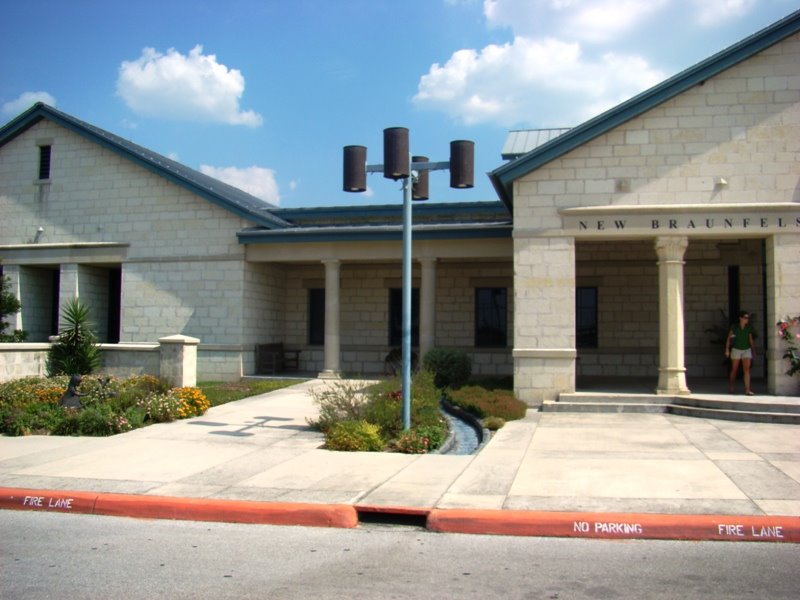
(504, 176)
(40, 111)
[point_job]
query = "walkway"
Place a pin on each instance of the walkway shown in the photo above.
(260, 449)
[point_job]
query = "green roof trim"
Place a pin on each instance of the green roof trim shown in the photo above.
(503, 177)
(374, 233)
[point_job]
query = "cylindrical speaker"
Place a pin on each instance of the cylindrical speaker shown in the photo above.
(395, 153)
(419, 191)
(462, 164)
(354, 175)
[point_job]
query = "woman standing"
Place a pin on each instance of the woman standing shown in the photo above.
(739, 347)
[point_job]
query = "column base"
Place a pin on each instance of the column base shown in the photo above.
(329, 374)
(672, 382)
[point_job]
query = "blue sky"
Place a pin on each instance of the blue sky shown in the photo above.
(264, 94)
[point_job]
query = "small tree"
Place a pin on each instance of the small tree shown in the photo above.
(76, 351)
(9, 305)
(450, 368)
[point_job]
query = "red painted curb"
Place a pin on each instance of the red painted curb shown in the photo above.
(617, 525)
(191, 509)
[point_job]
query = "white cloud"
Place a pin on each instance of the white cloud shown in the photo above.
(258, 181)
(192, 87)
(533, 82)
(714, 12)
(25, 101)
(584, 20)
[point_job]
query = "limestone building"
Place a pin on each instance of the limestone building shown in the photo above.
(617, 248)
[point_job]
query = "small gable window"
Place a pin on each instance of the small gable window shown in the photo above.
(44, 161)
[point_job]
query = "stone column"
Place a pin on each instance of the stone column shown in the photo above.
(179, 360)
(671, 369)
(331, 368)
(427, 310)
(783, 301)
(544, 318)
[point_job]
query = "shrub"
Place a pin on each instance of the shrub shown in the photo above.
(9, 305)
(31, 390)
(354, 436)
(160, 408)
(76, 351)
(342, 401)
(420, 440)
(789, 332)
(482, 403)
(411, 442)
(493, 423)
(450, 368)
(97, 420)
(193, 402)
(34, 419)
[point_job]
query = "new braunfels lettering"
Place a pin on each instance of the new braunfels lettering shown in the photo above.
(677, 224)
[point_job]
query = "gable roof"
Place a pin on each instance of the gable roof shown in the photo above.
(223, 195)
(503, 177)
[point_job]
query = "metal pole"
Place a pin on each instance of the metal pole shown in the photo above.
(407, 185)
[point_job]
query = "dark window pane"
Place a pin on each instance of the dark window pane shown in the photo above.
(396, 317)
(316, 316)
(44, 162)
(491, 317)
(586, 317)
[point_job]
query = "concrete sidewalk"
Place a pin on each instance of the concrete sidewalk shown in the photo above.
(584, 472)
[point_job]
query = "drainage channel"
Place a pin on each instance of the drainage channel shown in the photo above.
(466, 432)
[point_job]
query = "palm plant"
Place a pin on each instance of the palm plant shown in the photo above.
(76, 351)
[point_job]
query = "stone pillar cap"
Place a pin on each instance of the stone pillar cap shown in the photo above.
(179, 339)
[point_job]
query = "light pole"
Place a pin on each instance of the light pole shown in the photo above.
(413, 170)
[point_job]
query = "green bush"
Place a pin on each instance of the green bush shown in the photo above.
(34, 419)
(493, 423)
(30, 390)
(482, 403)
(161, 408)
(76, 351)
(341, 401)
(30, 406)
(450, 368)
(9, 305)
(354, 436)
(420, 440)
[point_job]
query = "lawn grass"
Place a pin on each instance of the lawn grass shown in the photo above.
(220, 392)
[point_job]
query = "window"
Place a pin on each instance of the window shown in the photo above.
(44, 161)
(491, 317)
(316, 316)
(396, 317)
(586, 317)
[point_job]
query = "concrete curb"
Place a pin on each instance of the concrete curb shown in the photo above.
(190, 509)
(741, 528)
(617, 525)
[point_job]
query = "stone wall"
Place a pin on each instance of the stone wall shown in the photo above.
(364, 300)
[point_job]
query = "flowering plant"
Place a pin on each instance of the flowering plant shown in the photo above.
(789, 331)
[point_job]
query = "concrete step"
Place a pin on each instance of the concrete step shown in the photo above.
(761, 410)
(750, 416)
(603, 407)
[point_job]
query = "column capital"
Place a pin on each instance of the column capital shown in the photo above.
(671, 247)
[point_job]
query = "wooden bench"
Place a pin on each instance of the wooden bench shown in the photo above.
(274, 358)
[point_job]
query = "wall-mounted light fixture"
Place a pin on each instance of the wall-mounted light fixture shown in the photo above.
(38, 236)
(413, 170)
(720, 182)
